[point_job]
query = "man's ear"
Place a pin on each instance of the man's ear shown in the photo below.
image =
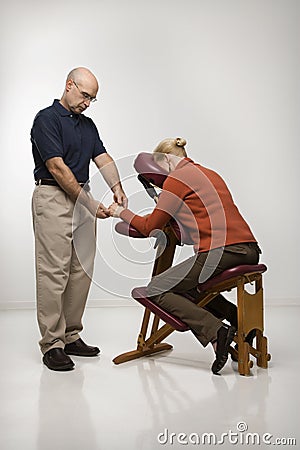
(69, 85)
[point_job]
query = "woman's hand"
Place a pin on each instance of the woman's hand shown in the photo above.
(115, 210)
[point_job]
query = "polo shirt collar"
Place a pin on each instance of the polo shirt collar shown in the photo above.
(61, 109)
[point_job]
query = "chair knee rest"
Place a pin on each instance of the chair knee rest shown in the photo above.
(140, 295)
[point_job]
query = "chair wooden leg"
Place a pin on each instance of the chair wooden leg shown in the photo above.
(144, 328)
(146, 347)
(244, 363)
(250, 316)
(155, 325)
(262, 350)
(135, 354)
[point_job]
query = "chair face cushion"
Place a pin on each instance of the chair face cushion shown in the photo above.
(145, 165)
(140, 295)
(231, 273)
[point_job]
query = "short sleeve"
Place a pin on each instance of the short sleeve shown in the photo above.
(46, 135)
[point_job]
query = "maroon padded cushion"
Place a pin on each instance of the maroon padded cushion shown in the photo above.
(231, 273)
(127, 230)
(145, 165)
(140, 295)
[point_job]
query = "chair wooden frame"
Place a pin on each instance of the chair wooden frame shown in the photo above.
(250, 316)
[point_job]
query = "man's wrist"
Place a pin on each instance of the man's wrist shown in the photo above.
(116, 187)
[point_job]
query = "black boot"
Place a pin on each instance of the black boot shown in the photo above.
(224, 338)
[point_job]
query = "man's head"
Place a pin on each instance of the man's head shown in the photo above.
(80, 90)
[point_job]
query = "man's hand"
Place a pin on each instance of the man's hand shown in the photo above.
(102, 212)
(110, 173)
(115, 210)
(120, 197)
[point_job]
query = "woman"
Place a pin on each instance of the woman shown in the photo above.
(200, 202)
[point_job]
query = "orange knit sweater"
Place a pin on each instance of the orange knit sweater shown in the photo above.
(200, 202)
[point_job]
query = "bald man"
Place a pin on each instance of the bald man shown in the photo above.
(64, 141)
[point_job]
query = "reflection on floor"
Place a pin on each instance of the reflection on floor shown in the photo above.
(170, 400)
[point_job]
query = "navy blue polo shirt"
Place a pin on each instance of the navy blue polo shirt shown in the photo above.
(73, 137)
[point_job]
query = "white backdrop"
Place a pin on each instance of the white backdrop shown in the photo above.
(223, 74)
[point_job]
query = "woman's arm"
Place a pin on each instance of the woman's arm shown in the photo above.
(167, 205)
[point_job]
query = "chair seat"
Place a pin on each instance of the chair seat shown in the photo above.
(140, 295)
(237, 271)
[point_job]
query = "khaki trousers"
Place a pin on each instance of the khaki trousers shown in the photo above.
(65, 237)
(169, 288)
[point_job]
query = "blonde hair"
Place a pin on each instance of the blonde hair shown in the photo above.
(170, 145)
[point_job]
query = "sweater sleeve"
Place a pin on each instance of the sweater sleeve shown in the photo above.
(168, 203)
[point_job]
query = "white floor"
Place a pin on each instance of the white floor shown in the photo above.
(100, 406)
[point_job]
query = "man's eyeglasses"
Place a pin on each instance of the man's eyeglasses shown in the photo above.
(85, 95)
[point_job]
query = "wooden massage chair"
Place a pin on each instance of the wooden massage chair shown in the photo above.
(158, 324)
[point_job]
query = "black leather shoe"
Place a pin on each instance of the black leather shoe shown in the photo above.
(224, 338)
(56, 359)
(80, 348)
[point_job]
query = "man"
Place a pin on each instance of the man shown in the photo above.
(64, 141)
